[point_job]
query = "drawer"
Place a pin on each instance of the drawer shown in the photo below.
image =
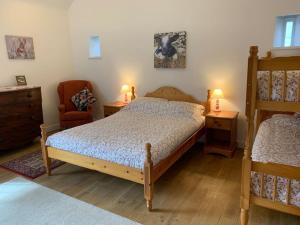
(22, 108)
(223, 124)
(22, 96)
(108, 110)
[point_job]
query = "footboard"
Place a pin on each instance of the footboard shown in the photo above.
(271, 199)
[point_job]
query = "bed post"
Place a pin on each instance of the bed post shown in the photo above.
(47, 160)
(148, 177)
(250, 113)
(208, 101)
(132, 93)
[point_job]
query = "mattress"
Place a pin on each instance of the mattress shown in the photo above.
(277, 141)
(121, 138)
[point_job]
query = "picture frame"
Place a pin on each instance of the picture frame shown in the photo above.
(21, 80)
(19, 47)
(170, 50)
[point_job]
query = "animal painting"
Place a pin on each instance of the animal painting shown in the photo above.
(170, 50)
(165, 48)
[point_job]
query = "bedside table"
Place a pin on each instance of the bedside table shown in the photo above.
(221, 133)
(113, 107)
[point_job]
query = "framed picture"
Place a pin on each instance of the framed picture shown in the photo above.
(21, 80)
(19, 47)
(170, 50)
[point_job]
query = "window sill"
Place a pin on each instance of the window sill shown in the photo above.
(286, 51)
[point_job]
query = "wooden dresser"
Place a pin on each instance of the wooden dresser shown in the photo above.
(20, 116)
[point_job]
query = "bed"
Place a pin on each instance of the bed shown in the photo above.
(271, 162)
(139, 143)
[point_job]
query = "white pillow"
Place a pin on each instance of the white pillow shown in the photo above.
(187, 109)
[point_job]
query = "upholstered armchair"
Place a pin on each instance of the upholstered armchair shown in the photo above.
(68, 114)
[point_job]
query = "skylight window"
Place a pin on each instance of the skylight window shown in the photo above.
(287, 33)
(95, 47)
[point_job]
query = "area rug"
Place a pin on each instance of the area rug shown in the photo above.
(30, 165)
(24, 202)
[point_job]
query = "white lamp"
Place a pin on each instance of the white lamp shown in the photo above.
(125, 90)
(217, 94)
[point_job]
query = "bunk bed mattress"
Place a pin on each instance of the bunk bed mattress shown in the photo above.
(277, 141)
(121, 138)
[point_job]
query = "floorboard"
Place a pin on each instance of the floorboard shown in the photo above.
(198, 190)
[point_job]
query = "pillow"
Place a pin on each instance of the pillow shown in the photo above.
(187, 109)
(82, 99)
(146, 105)
(167, 108)
(297, 115)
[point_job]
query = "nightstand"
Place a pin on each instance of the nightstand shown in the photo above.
(113, 107)
(221, 133)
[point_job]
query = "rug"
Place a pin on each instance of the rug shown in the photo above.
(24, 202)
(30, 165)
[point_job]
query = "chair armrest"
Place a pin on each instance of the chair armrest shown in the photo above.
(62, 108)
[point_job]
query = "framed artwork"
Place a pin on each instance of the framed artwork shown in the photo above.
(19, 47)
(21, 80)
(170, 50)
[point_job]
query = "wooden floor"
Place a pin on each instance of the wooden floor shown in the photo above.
(198, 190)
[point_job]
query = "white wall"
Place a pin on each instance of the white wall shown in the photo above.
(219, 36)
(47, 22)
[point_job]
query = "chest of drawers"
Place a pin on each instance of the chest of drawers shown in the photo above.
(20, 116)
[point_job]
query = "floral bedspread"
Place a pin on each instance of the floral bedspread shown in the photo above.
(277, 141)
(121, 138)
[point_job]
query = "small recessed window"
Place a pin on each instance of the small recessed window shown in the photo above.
(287, 31)
(95, 47)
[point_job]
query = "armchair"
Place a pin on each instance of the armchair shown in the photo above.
(68, 114)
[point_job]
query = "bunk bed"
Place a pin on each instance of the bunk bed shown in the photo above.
(273, 87)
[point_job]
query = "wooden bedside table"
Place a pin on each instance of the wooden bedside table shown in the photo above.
(113, 107)
(221, 133)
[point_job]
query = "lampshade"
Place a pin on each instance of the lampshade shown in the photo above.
(217, 94)
(125, 89)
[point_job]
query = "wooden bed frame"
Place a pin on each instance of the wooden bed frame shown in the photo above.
(150, 173)
(256, 112)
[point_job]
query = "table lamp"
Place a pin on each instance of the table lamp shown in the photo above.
(217, 94)
(125, 90)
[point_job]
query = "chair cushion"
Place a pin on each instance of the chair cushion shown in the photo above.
(76, 115)
(82, 99)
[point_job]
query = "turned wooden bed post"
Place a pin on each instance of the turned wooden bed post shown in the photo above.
(250, 113)
(208, 101)
(132, 93)
(47, 160)
(148, 177)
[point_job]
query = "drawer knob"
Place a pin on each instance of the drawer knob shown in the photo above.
(29, 95)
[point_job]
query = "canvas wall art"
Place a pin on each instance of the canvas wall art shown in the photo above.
(19, 47)
(170, 50)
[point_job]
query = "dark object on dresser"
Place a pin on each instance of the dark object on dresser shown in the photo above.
(20, 116)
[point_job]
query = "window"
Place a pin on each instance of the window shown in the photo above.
(95, 47)
(287, 33)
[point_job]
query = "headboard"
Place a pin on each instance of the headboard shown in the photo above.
(273, 85)
(174, 94)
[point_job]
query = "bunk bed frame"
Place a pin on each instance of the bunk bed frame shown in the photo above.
(256, 112)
